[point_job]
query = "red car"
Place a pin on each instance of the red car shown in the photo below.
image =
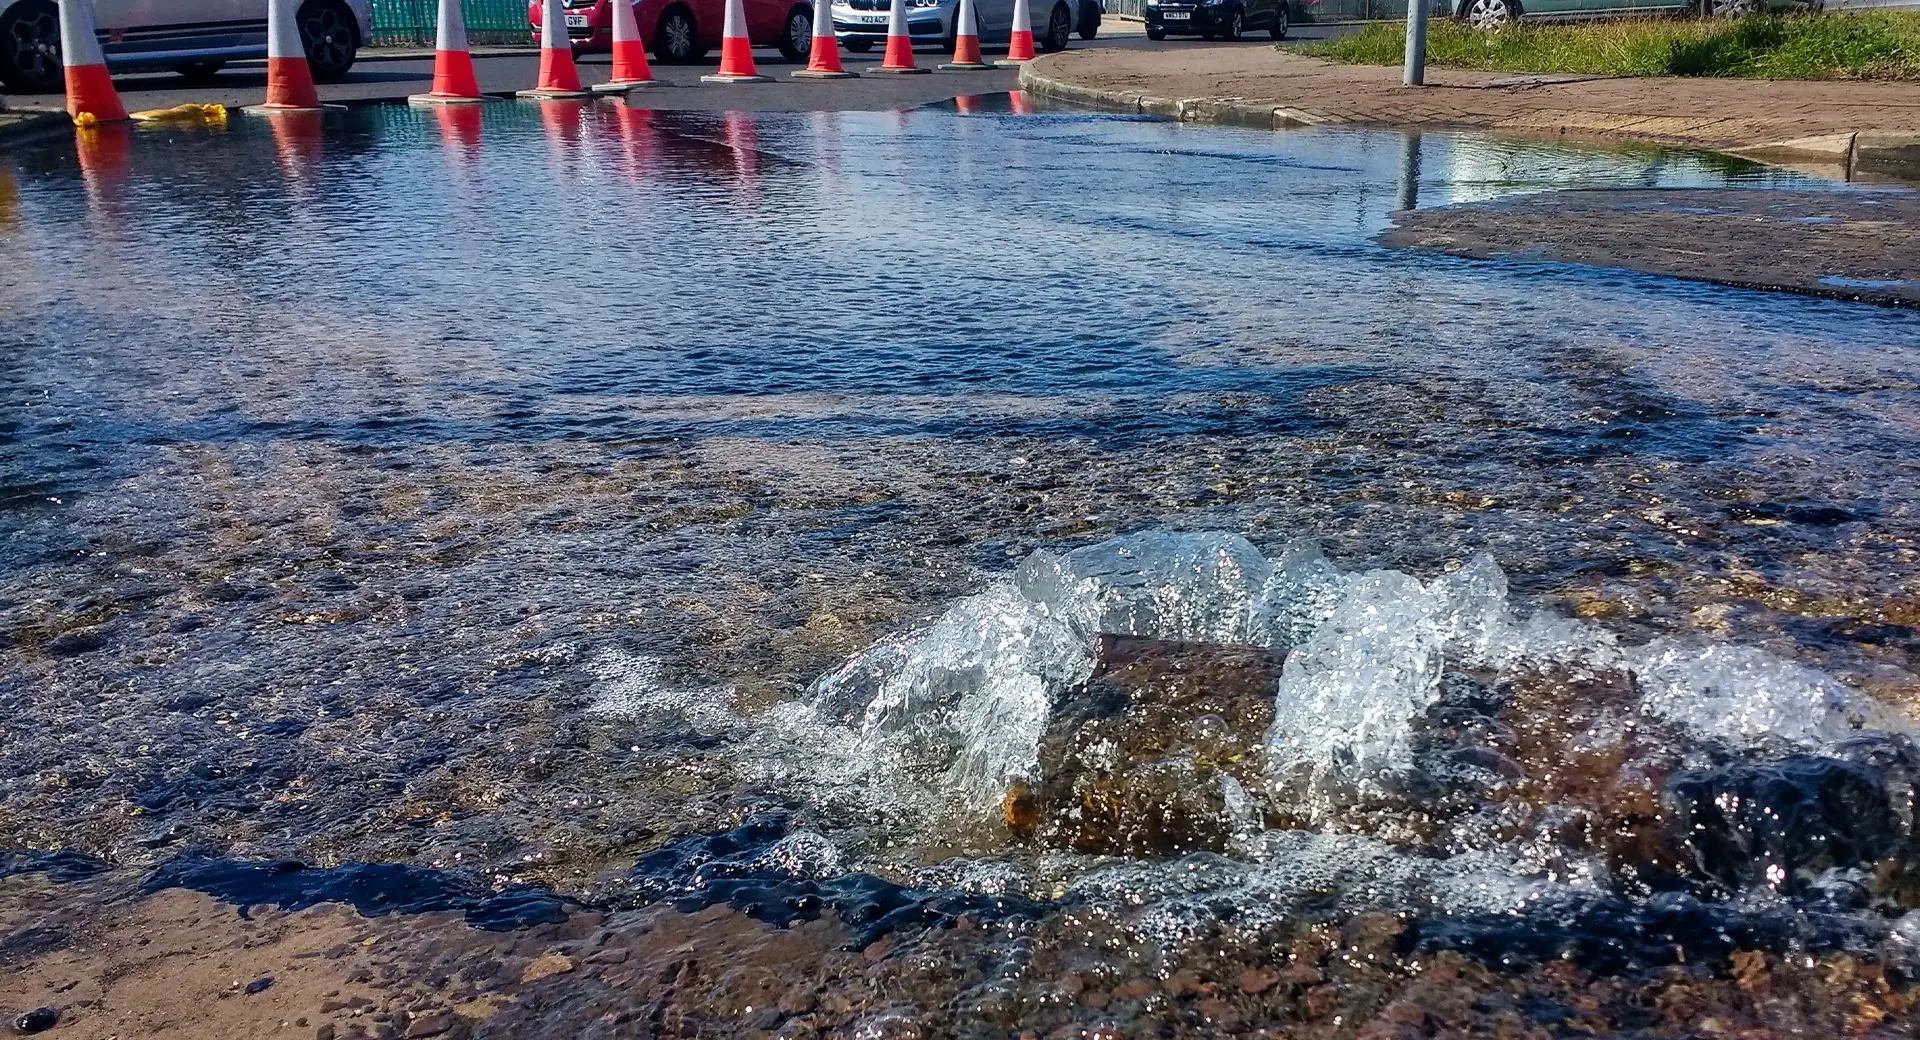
(683, 31)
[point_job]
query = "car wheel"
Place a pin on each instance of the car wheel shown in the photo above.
(1089, 21)
(327, 29)
(1059, 29)
(1280, 23)
(200, 72)
(1728, 8)
(1156, 34)
(797, 42)
(675, 40)
(1236, 25)
(859, 45)
(30, 48)
(1489, 15)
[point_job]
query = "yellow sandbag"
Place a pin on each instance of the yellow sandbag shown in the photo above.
(211, 115)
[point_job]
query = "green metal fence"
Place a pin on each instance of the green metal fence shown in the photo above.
(411, 23)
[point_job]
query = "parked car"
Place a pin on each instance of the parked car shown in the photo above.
(1216, 19)
(1492, 14)
(682, 31)
(861, 25)
(193, 37)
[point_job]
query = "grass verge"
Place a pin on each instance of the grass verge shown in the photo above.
(1865, 45)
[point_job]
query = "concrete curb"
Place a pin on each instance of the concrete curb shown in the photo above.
(22, 124)
(1847, 155)
(1230, 111)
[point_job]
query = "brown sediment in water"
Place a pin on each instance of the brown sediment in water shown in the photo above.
(178, 966)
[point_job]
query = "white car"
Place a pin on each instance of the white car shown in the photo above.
(192, 37)
(861, 25)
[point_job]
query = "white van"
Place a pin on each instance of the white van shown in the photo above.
(192, 37)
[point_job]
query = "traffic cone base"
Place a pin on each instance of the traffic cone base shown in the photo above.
(967, 66)
(446, 99)
(547, 94)
(617, 87)
(724, 78)
(825, 74)
(90, 92)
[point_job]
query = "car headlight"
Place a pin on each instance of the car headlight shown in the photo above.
(923, 3)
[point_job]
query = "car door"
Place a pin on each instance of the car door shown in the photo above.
(1259, 13)
(996, 20)
(135, 26)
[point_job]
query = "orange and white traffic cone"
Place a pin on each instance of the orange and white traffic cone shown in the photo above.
(966, 41)
(823, 58)
(899, 57)
(289, 78)
(90, 95)
(736, 51)
(630, 68)
(559, 77)
(1020, 43)
(454, 82)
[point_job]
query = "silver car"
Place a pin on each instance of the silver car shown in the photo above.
(192, 37)
(861, 25)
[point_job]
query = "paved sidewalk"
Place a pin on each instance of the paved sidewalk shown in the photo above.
(1858, 126)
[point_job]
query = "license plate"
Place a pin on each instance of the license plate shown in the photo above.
(1177, 16)
(873, 17)
(576, 21)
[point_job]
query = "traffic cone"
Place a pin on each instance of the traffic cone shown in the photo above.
(630, 68)
(823, 59)
(90, 95)
(736, 51)
(966, 41)
(558, 76)
(1020, 43)
(899, 57)
(289, 79)
(453, 80)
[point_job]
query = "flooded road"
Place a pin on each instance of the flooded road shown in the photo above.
(493, 490)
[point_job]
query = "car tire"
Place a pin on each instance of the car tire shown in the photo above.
(30, 48)
(1490, 15)
(1156, 34)
(331, 37)
(200, 73)
(676, 38)
(859, 45)
(1281, 22)
(1089, 21)
(1236, 25)
(1059, 29)
(1728, 8)
(796, 43)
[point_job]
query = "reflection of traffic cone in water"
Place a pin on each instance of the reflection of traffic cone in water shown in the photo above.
(103, 151)
(899, 44)
(289, 78)
(630, 68)
(744, 143)
(460, 128)
(638, 135)
(559, 78)
(823, 61)
(966, 41)
(1022, 105)
(562, 122)
(1020, 43)
(736, 51)
(90, 94)
(296, 136)
(967, 105)
(453, 80)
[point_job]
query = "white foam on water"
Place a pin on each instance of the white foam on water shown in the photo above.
(1746, 696)
(633, 686)
(945, 717)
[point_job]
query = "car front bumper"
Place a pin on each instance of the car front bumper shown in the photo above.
(1199, 19)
